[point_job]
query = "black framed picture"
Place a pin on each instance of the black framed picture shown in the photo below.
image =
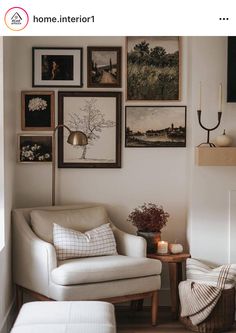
(37, 110)
(231, 78)
(153, 68)
(34, 148)
(98, 115)
(155, 126)
(57, 67)
(104, 67)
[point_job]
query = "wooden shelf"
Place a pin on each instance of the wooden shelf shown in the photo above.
(215, 156)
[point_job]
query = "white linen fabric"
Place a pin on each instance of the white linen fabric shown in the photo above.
(70, 243)
(199, 272)
(61, 317)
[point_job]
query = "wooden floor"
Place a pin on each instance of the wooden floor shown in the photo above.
(139, 322)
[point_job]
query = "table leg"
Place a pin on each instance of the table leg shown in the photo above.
(173, 274)
(176, 275)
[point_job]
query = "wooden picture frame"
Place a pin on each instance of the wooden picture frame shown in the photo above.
(34, 148)
(57, 67)
(153, 68)
(37, 110)
(104, 67)
(98, 115)
(155, 126)
(231, 77)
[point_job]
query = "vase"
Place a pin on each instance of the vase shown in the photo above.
(152, 238)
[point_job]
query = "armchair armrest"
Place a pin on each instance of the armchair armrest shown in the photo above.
(129, 245)
(33, 258)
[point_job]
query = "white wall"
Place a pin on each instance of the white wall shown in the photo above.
(209, 205)
(6, 294)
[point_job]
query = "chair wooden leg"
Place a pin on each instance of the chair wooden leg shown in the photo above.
(19, 297)
(154, 307)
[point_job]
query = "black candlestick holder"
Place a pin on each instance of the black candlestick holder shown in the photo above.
(208, 129)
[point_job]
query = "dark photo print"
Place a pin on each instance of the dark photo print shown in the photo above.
(37, 110)
(57, 67)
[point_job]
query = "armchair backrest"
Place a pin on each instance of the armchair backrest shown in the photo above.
(79, 217)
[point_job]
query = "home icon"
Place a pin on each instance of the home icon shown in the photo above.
(16, 18)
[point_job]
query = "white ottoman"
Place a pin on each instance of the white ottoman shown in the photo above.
(66, 317)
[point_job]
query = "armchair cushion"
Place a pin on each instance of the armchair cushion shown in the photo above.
(70, 243)
(81, 219)
(101, 269)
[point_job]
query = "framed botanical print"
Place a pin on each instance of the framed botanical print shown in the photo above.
(153, 68)
(98, 115)
(104, 67)
(57, 67)
(155, 126)
(34, 148)
(37, 110)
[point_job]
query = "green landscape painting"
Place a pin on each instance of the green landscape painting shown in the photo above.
(153, 68)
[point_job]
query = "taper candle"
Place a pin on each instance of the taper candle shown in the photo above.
(220, 98)
(200, 96)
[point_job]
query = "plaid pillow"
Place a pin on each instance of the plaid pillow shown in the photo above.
(73, 244)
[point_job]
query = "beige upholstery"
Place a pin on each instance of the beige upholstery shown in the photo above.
(35, 266)
(70, 317)
(101, 269)
(82, 219)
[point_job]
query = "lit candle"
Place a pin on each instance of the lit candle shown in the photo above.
(200, 97)
(220, 97)
(162, 247)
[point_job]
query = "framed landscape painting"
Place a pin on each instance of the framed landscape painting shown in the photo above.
(57, 67)
(98, 115)
(104, 67)
(37, 110)
(153, 68)
(155, 126)
(34, 148)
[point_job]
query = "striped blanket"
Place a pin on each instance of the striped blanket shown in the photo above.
(197, 271)
(199, 299)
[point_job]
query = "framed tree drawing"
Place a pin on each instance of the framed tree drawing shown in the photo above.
(153, 68)
(57, 67)
(98, 115)
(34, 148)
(155, 126)
(37, 110)
(104, 67)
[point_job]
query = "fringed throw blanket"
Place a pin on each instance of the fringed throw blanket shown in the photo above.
(198, 300)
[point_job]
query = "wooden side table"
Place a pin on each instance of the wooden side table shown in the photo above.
(175, 274)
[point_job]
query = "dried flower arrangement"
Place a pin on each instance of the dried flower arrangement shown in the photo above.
(149, 217)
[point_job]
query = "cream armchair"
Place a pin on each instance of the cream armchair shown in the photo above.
(126, 276)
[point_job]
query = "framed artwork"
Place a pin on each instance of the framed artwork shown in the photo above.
(98, 115)
(34, 148)
(231, 78)
(57, 67)
(153, 68)
(37, 110)
(155, 126)
(104, 67)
